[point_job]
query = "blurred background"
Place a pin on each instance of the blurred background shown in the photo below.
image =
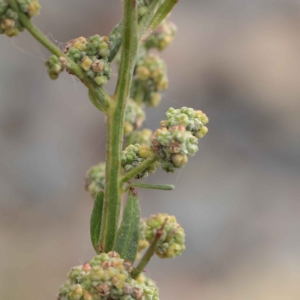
(238, 199)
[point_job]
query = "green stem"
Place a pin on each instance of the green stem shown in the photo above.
(149, 253)
(115, 128)
(100, 94)
(162, 187)
(160, 15)
(140, 168)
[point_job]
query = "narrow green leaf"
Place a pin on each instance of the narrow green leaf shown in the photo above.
(96, 220)
(115, 40)
(129, 232)
(162, 187)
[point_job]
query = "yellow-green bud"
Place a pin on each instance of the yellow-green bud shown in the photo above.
(171, 243)
(95, 179)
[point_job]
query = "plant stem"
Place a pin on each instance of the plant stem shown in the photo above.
(115, 128)
(162, 187)
(160, 15)
(140, 168)
(149, 253)
(101, 95)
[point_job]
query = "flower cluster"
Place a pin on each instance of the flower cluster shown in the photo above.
(134, 117)
(143, 243)
(150, 78)
(9, 19)
(177, 139)
(193, 121)
(143, 7)
(133, 155)
(162, 37)
(105, 277)
(95, 179)
(142, 137)
(92, 56)
(55, 67)
(171, 243)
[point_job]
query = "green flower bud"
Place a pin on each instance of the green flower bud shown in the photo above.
(192, 120)
(174, 146)
(142, 137)
(150, 78)
(55, 66)
(143, 243)
(95, 179)
(133, 155)
(171, 243)
(162, 37)
(134, 117)
(92, 56)
(108, 277)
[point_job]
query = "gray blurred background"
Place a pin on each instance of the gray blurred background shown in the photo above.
(238, 199)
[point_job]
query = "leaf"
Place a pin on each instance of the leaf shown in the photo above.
(96, 220)
(129, 232)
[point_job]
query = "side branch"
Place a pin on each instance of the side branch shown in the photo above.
(139, 169)
(101, 96)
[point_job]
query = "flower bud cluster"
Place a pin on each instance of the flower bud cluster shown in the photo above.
(143, 243)
(133, 155)
(150, 78)
(142, 137)
(146, 280)
(134, 117)
(193, 121)
(55, 67)
(162, 37)
(95, 179)
(105, 277)
(143, 7)
(177, 139)
(9, 19)
(171, 243)
(92, 56)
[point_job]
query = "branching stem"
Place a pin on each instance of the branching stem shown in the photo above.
(139, 169)
(101, 95)
(115, 123)
(149, 253)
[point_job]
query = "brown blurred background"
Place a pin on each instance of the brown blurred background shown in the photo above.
(238, 199)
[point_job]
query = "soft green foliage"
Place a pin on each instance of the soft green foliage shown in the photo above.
(145, 27)
(106, 276)
(9, 19)
(92, 56)
(171, 242)
(129, 232)
(134, 155)
(96, 220)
